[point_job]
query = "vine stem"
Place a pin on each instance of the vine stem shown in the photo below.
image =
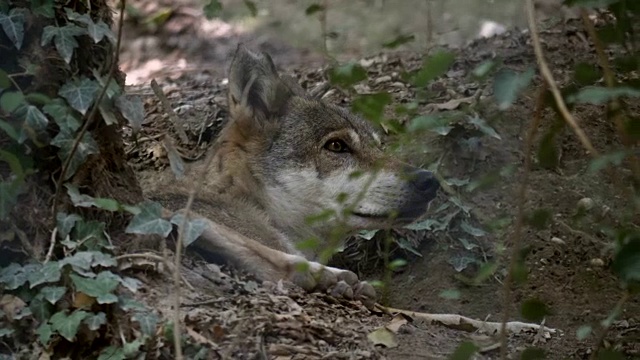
(91, 116)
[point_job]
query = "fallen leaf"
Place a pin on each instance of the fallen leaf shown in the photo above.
(83, 301)
(395, 323)
(11, 306)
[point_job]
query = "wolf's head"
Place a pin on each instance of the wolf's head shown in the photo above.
(296, 157)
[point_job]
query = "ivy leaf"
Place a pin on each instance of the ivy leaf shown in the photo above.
(482, 125)
(9, 130)
(347, 74)
(149, 220)
(81, 260)
(112, 353)
(147, 321)
(102, 259)
(130, 283)
(65, 223)
(62, 114)
(91, 234)
(5, 81)
(34, 120)
(13, 276)
(13, 25)
(67, 326)
(63, 38)
(434, 66)
(65, 140)
(53, 293)
(473, 231)
(44, 332)
(43, 7)
(95, 321)
(40, 308)
(6, 332)
(80, 94)
(82, 200)
(132, 109)
(101, 287)
(47, 273)
(11, 100)
(194, 228)
(598, 95)
(371, 106)
(508, 84)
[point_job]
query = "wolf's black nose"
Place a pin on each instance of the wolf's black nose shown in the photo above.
(424, 181)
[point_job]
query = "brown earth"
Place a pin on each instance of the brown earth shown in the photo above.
(568, 262)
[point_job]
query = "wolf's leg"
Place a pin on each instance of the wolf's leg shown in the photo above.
(272, 265)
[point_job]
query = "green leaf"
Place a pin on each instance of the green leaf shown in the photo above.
(40, 308)
(464, 351)
(482, 125)
(397, 263)
(13, 276)
(212, 9)
(80, 93)
(47, 273)
(101, 287)
(65, 223)
(97, 31)
(347, 75)
(603, 161)
(406, 245)
(149, 220)
(81, 260)
(371, 106)
(438, 123)
(65, 140)
(399, 40)
(251, 6)
(44, 332)
(534, 310)
(583, 332)
(82, 200)
(132, 109)
(43, 7)
(64, 39)
(482, 71)
(508, 84)
(461, 262)
(62, 114)
(67, 326)
(422, 225)
(598, 95)
(586, 74)
(112, 353)
(5, 81)
(53, 293)
(147, 321)
(433, 67)
(91, 234)
(486, 270)
(34, 120)
(130, 283)
(11, 100)
(473, 231)
(95, 321)
(6, 332)
(313, 8)
(193, 230)
(13, 25)
(626, 262)
(9, 130)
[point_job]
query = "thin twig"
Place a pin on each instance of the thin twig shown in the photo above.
(92, 114)
(178, 256)
(52, 245)
(517, 234)
(169, 110)
(610, 79)
(548, 77)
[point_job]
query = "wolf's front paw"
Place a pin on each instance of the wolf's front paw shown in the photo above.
(337, 282)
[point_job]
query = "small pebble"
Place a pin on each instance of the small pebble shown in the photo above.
(557, 240)
(597, 262)
(585, 203)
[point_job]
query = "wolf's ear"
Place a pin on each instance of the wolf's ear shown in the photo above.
(255, 88)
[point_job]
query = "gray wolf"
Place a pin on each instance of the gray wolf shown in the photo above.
(283, 158)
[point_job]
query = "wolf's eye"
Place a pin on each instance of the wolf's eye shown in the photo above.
(337, 146)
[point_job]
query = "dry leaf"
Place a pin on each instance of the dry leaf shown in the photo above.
(395, 323)
(383, 336)
(11, 305)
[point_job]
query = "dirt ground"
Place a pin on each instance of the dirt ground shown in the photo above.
(568, 266)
